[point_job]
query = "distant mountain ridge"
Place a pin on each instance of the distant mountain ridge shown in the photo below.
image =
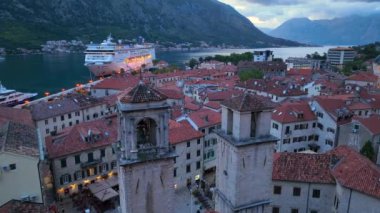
(28, 23)
(351, 30)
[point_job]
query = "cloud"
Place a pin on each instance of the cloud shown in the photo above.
(272, 13)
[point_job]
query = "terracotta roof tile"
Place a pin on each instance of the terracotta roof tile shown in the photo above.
(293, 112)
(313, 168)
(249, 102)
(205, 118)
(143, 93)
(363, 76)
(72, 140)
(372, 123)
(182, 132)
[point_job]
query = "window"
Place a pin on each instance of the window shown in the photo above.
(199, 141)
(320, 126)
(63, 126)
(294, 211)
(70, 123)
(65, 179)
(90, 157)
(46, 122)
(275, 210)
(286, 141)
(313, 211)
(77, 121)
(62, 118)
(320, 114)
(102, 153)
(203, 131)
(316, 193)
(175, 172)
(78, 175)
(188, 144)
(12, 166)
(275, 126)
(113, 164)
(47, 131)
(54, 120)
(77, 159)
(69, 115)
(63, 163)
(296, 191)
(77, 113)
(331, 130)
(198, 152)
(188, 168)
(329, 142)
(277, 190)
(188, 156)
(198, 164)
(103, 168)
(314, 124)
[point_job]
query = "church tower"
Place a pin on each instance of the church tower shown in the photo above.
(244, 156)
(145, 164)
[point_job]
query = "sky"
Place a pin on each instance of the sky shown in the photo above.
(272, 13)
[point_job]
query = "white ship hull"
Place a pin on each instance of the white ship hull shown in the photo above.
(108, 57)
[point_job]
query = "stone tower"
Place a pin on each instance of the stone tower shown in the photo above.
(244, 156)
(145, 162)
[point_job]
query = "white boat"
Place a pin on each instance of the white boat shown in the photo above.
(10, 97)
(108, 57)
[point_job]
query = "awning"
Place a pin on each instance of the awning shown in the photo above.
(112, 181)
(98, 186)
(106, 194)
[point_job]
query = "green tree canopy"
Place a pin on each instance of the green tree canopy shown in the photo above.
(368, 150)
(250, 74)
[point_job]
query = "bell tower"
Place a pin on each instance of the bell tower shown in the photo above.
(244, 156)
(145, 160)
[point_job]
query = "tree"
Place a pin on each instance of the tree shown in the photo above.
(250, 74)
(368, 150)
(192, 63)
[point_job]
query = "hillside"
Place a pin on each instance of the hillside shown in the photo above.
(351, 30)
(30, 23)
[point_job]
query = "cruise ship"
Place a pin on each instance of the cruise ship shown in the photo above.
(108, 57)
(10, 97)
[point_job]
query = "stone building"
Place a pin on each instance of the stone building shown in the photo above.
(294, 123)
(341, 180)
(146, 163)
(19, 157)
(244, 155)
(187, 143)
(82, 155)
(356, 133)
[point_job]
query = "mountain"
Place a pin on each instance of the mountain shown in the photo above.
(265, 30)
(30, 23)
(351, 30)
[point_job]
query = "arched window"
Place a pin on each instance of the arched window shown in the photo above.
(146, 133)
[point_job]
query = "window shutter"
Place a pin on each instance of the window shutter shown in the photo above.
(82, 173)
(95, 171)
(69, 178)
(75, 175)
(100, 168)
(88, 173)
(107, 166)
(61, 180)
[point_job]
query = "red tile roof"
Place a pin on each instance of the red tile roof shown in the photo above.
(302, 167)
(182, 132)
(118, 83)
(291, 112)
(71, 140)
(372, 123)
(304, 72)
(172, 94)
(363, 76)
(343, 165)
(213, 105)
(16, 115)
(143, 93)
(249, 102)
(205, 118)
(356, 172)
